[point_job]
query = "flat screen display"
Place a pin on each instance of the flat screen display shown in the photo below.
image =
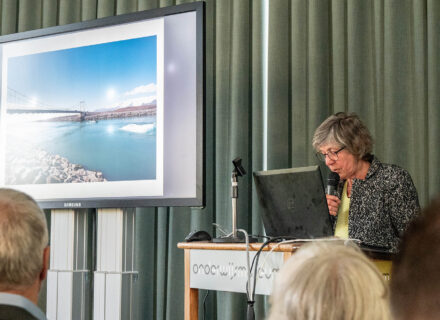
(293, 202)
(106, 113)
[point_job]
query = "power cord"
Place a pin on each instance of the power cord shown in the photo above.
(250, 300)
(256, 259)
(249, 275)
(250, 285)
(220, 228)
(250, 289)
(204, 305)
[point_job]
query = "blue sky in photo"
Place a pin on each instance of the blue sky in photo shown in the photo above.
(100, 75)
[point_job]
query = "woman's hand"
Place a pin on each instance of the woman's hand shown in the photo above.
(333, 203)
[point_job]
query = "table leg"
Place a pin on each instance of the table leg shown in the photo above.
(191, 295)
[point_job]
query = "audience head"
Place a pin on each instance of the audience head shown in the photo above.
(23, 242)
(329, 280)
(415, 276)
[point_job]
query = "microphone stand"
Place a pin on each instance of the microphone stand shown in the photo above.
(234, 196)
(233, 237)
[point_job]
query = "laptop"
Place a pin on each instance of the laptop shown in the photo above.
(293, 202)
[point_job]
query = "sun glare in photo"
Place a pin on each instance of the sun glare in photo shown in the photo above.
(110, 129)
(111, 94)
(33, 102)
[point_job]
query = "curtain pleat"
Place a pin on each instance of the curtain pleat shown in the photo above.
(162, 264)
(256, 151)
(377, 124)
(397, 93)
(179, 224)
(106, 8)
(147, 4)
(50, 13)
(360, 78)
(278, 91)
(419, 105)
(69, 12)
(299, 83)
(223, 46)
(318, 64)
(240, 104)
(88, 10)
(257, 133)
(166, 3)
(338, 55)
(9, 16)
(126, 6)
(145, 287)
(232, 107)
(29, 15)
(432, 116)
(378, 58)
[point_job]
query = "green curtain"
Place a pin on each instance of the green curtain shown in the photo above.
(378, 58)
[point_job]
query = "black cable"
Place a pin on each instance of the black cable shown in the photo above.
(251, 301)
(259, 236)
(204, 305)
(270, 240)
(257, 256)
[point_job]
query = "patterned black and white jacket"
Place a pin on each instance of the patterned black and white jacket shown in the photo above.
(382, 205)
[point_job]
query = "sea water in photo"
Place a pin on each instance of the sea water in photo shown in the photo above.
(102, 124)
(103, 150)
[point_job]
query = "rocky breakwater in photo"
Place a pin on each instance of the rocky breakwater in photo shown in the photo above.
(42, 168)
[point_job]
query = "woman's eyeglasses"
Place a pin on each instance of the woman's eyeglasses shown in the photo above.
(332, 155)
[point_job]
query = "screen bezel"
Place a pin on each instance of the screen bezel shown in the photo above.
(148, 201)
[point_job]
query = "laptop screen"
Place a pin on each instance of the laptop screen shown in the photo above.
(293, 202)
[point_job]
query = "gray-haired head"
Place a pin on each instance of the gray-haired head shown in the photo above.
(329, 280)
(23, 238)
(345, 130)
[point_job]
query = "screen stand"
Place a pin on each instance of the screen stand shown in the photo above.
(233, 237)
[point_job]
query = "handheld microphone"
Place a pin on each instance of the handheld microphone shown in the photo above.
(332, 183)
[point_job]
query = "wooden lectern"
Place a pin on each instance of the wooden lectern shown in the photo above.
(222, 267)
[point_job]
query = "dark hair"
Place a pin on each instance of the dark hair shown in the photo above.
(345, 130)
(415, 276)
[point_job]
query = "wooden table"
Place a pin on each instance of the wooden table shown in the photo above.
(383, 261)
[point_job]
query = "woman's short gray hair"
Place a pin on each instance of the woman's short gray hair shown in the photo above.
(23, 238)
(329, 280)
(346, 130)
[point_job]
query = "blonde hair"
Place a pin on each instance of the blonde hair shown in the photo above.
(345, 130)
(329, 280)
(23, 238)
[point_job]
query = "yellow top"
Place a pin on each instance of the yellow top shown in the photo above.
(341, 229)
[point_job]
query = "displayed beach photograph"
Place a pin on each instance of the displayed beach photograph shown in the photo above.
(82, 114)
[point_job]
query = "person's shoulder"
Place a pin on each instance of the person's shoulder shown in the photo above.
(394, 169)
(15, 306)
(11, 312)
(391, 170)
(392, 174)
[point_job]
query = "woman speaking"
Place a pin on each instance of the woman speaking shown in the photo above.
(375, 201)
